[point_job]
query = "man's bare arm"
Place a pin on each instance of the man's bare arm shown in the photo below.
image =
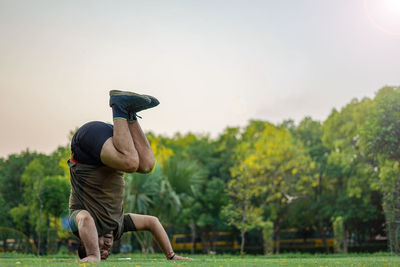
(88, 235)
(152, 224)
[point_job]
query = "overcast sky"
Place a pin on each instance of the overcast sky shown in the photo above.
(212, 64)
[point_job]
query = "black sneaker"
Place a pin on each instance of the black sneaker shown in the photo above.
(135, 109)
(126, 100)
(153, 102)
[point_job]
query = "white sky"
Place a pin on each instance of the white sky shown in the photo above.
(212, 64)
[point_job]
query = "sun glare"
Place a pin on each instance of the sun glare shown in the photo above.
(384, 15)
(393, 5)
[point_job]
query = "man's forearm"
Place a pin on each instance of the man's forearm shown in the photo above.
(159, 234)
(88, 235)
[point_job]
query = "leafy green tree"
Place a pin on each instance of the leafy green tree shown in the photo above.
(381, 137)
(282, 171)
(166, 193)
(224, 153)
(186, 178)
(348, 171)
(32, 205)
(241, 211)
(201, 210)
(45, 196)
(4, 216)
(54, 198)
(141, 192)
(270, 167)
(55, 194)
(209, 204)
(11, 188)
(211, 194)
(309, 132)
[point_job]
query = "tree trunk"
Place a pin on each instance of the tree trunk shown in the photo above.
(205, 241)
(277, 236)
(242, 234)
(345, 243)
(396, 239)
(5, 244)
(392, 208)
(396, 214)
(268, 234)
(322, 233)
(40, 219)
(389, 233)
(193, 230)
(213, 238)
(390, 221)
(52, 240)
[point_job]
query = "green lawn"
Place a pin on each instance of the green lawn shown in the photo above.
(136, 260)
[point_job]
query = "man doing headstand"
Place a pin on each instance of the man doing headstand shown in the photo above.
(101, 153)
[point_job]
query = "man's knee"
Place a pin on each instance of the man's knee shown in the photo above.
(127, 161)
(131, 163)
(147, 167)
(146, 164)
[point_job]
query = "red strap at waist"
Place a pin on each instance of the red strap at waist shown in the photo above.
(75, 160)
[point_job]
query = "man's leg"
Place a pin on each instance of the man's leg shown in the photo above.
(119, 151)
(152, 224)
(128, 150)
(146, 157)
(88, 235)
(143, 148)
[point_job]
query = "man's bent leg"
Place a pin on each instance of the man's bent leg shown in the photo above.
(146, 157)
(88, 235)
(152, 224)
(119, 151)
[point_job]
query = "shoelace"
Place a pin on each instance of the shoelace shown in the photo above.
(132, 116)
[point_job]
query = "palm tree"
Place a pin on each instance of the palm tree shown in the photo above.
(163, 193)
(150, 194)
(140, 190)
(185, 178)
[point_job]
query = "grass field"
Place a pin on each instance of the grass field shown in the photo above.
(136, 260)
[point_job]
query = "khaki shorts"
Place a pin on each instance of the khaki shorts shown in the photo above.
(128, 223)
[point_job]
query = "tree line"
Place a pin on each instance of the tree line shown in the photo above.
(341, 175)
